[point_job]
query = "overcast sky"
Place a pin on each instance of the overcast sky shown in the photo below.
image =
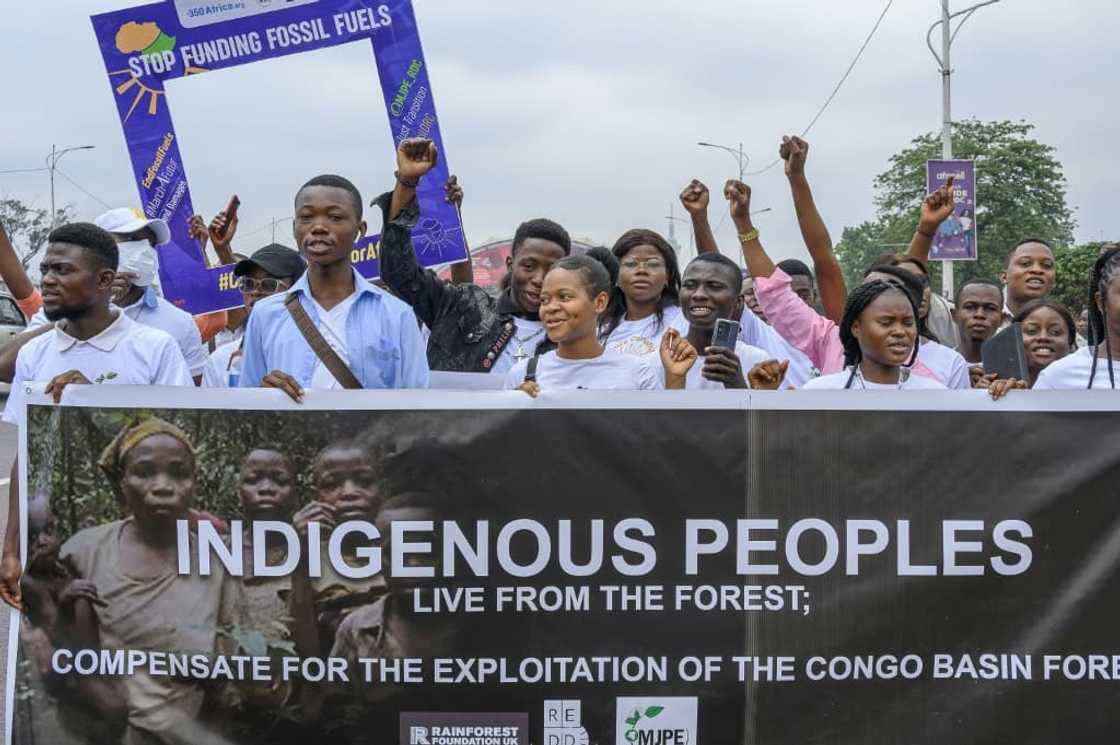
(585, 112)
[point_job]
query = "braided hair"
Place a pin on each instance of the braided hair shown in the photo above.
(911, 284)
(858, 300)
(1105, 271)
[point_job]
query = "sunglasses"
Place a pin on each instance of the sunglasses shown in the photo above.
(268, 284)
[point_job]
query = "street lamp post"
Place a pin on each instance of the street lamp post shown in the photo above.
(740, 159)
(948, 34)
(52, 161)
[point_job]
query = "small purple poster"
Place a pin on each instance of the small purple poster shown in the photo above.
(956, 238)
(146, 45)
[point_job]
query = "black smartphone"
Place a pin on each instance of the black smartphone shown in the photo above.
(726, 333)
(1003, 354)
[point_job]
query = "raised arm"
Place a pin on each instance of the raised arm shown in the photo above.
(936, 208)
(695, 198)
(221, 232)
(12, 271)
(421, 289)
(738, 196)
(830, 277)
(462, 272)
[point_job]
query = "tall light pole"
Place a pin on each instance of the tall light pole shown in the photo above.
(948, 34)
(736, 154)
(52, 162)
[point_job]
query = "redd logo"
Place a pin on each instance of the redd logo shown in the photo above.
(653, 720)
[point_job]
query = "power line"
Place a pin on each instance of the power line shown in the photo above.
(836, 90)
(83, 190)
(25, 170)
(266, 226)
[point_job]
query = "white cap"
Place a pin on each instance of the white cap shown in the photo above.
(127, 220)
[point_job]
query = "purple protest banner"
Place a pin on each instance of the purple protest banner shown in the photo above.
(147, 45)
(956, 238)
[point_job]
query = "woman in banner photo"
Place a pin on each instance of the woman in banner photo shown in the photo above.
(879, 332)
(144, 602)
(644, 302)
(575, 293)
(1096, 366)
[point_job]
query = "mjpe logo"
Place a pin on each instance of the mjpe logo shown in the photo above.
(453, 728)
(563, 724)
(668, 720)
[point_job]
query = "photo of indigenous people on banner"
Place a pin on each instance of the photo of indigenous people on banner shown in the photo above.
(230, 568)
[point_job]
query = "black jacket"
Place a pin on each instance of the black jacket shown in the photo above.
(470, 327)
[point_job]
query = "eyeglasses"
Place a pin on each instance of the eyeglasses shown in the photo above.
(268, 284)
(650, 265)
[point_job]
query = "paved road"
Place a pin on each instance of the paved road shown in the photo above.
(8, 443)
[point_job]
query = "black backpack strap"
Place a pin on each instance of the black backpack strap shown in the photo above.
(531, 369)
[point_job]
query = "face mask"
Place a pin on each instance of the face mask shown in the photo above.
(139, 258)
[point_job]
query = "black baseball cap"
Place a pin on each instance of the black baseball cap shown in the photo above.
(276, 260)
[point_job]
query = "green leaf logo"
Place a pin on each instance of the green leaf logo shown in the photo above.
(633, 718)
(653, 711)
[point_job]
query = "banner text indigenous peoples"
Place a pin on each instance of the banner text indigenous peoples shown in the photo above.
(808, 547)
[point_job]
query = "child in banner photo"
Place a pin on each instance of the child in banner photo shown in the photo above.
(148, 605)
(345, 478)
(60, 613)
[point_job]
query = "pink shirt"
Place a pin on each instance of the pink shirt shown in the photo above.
(816, 336)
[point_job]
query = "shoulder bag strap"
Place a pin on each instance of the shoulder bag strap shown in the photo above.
(319, 345)
(531, 369)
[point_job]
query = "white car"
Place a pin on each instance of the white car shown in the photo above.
(12, 323)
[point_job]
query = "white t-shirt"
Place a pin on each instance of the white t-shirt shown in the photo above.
(526, 336)
(755, 332)
(225, 336)
(223, 367)
(642, 338)
(947, 364)
(332, 325)
(154, 311)
(837, 381)
(607, 372)
(1072, 373)
(695, 381)
(125, 353)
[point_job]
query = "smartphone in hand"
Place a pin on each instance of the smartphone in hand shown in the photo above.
(726, 333)
(231, 213)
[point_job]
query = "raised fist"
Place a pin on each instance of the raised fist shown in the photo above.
(415, 157)
(695, 198)
(794, 151)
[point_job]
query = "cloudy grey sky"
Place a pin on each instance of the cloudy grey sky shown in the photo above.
(586, 112)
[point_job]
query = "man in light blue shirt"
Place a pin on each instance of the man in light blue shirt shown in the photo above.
(373, 333)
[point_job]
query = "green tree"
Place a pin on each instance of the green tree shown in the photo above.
(1020, 193)
(1073, 265)
(28, 226)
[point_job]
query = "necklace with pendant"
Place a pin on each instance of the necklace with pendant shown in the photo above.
(520, 353)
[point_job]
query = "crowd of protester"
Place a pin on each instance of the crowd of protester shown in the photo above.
(626, 318)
